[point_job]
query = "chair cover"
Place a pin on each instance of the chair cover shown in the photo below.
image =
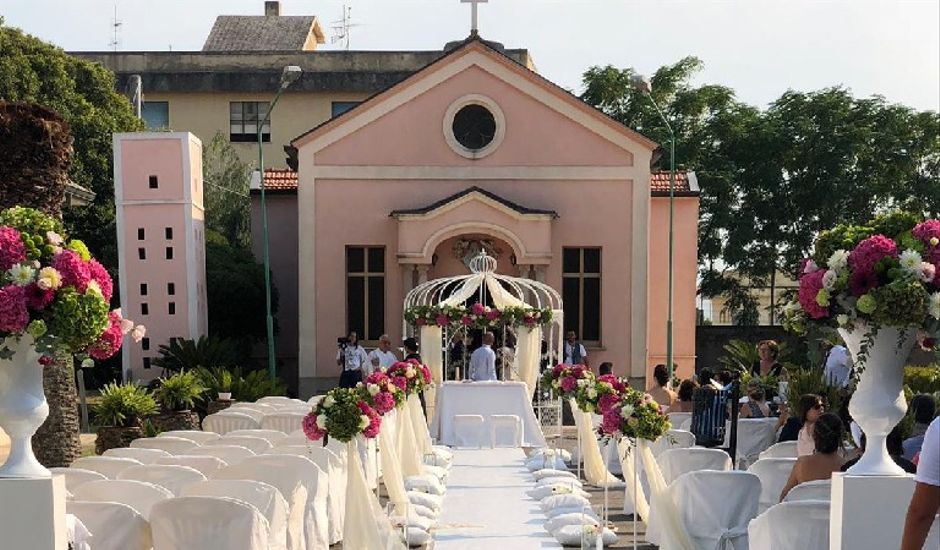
(274, 437)
(664, 522)
(469, 430)
(187, 523)
(231, 454)
(172, 478)
(286, 422)
(594, 470)
(505, 430)
(108, 466)
(76, 476)
(265, 498)
(197, 436)
(366, 526)
(773, 474)
(800, 525)
(144, 456)
(369, 457)
(678, 418)
(755, 435)
(674, 439)
(715, 508)
(302, 483)
(279, 400)
(172, 445)
(784, 449)
(203, 464)
(675, 462)
(76, 533)
(113, 526)
(227, 421)
(811, 490)
(336, 476)
(256, 444)
(139, 495)
(262, 408)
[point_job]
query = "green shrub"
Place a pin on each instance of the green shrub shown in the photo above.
(187, 354)
(124, 405)
(179, 392)
(804, 381)
(244, 387)
(924, 379)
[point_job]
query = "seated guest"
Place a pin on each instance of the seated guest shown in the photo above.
(827, 437)
(800, 429)
(894, 450)
(756, 406)
(660, 391)
(606, 368)
(923, 409)
(709, 411)
(724, 378)
(684, 402)
(483, 360)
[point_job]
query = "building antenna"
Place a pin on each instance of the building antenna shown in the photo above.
(341, 28)
(115, 27)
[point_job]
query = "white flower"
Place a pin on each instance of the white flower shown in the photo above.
(373, 389)
(910, 262)
(829, 279)
(363, 422)
(810, 267)
(328, 401)
(582, 382)
(842, 319)
(626, 411)
(21, 274)
(838, 261)
(88, 363)
(933, 306)
(138, 333)
(410, 372)
(927, 272)
(53, 238)
(93, 289)
(607, 385)
(321, 422)
(934, 241)
(592, 393)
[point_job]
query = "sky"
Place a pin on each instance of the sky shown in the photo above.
(759, 48)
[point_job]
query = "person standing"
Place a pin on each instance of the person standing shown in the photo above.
(838, 366)
(926, 499)
(411, 349)
(353, 358)
(382, 357)
(575, 354)
(483, 360)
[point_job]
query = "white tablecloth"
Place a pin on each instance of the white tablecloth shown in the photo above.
(485, 399)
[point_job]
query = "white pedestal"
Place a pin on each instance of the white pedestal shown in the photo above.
(868, 512)
(32, 514)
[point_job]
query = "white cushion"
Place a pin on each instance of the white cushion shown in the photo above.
(424, 511)
(571, 535)
(564, 454)
(426, 483)
(562, 510)
(413, 520)
(549, 481)
(546, 491)
(562, 520)
(431, 502)
(539, 474)
(434, 459)
(564, 501)
(416, 537)
(542, 462)
(439, 473)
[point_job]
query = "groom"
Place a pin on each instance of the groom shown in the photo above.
(483, 360)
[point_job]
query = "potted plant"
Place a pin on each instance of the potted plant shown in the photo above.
(120, 413)
(177, 395)
(225, 385)
(53, 298)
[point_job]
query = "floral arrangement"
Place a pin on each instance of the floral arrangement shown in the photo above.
(342, 414)
(886, 273)
(381, 393)
(54, 291)
(478, 316)
(569, 381)
(410, 376)
(633, 414)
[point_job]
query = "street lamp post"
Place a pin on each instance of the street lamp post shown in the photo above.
(644, 86)
(288, 76)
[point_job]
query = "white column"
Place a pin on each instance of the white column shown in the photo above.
(524, 270)
(407, 279)
(868, 511)
(423, 273)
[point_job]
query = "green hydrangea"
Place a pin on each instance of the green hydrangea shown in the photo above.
(822, 298)
(866, 304)
(900, 303)
(77, 319)
(36, 328)
(79, 248)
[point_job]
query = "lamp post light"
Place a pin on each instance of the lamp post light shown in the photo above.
(288, 76)
(645, 87)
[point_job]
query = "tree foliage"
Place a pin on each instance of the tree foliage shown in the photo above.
(226, 177)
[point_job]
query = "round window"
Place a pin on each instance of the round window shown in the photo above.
(474, 127)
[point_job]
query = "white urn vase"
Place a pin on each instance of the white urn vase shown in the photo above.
(878, 403)
(23, 406)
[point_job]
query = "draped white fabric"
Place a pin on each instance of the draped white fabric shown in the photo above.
(594, 469)
(420, 425)
(664, 522)
(802, 525)
(528, 356)
(366, 525)
(431, 348)
(636, 496)
(391, 465)
(469, 288)
(501, 297)
(407, 445)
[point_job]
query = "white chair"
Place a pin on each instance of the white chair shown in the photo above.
(298, 439)
(198, 436)
(674, 439)
(188, 523)
(76, 476)
(231, 454)
(302, 483)
(755, 435)
(139, 495)
(108, 466)
(274, 437)
(259, 407)
(256, 444)
(172, 445)
(172, 478)
(675, 462)
(144, 456)
(280, 401)
(505, 430)
(773, 474)
(679, 418)
(469, 430)
(205, 465)
(800, 525)
(784, 449)
(811, 490)
(226, 421)
(266, 498)
(113, 526)
(285, 422)
(335, 470)
(716, 525)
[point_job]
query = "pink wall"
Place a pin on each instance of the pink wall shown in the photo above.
(143, 158)
(449, 265)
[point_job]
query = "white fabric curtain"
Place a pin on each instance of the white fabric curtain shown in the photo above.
(420, 425)
(407, 445)
(528, 355)
(366, 525)
(636, 496)
(391, 465)
(431, 353)
(594, 469)
(501, 297)
(469, 288)
(667, 527)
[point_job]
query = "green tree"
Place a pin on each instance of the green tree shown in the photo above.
(226, 177)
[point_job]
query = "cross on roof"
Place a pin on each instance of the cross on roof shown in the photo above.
(473, 13)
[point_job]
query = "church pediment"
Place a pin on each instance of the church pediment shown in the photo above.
(469, 195)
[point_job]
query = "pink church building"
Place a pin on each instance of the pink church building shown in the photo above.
(477, 150)
(161, 241)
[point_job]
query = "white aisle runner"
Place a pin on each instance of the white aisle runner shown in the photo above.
(486, 506)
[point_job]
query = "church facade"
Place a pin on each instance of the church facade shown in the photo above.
(477, 151)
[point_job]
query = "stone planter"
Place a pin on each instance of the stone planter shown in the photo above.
(111, 437)
(23, 406)
(218, 405)
(175, 420)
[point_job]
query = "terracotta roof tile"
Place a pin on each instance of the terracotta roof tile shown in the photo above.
(280, 180)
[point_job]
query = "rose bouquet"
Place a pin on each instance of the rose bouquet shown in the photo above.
(381, 393)
(52, 290)
(635, 415)
(567, 380)
(342, 414)
(410, 376)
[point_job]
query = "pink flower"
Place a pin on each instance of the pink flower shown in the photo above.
(614, 381)
(311, 430)
(568, 384)
(37, 298)
(375, 421)
(75, 272)
(861, 282)
(927, 230)
(401, 382)
(378, 378)
(607, 402)
(426, 372)
(466, 320)
(611, 422)
(871, 251)
(45, 360)
(528, 320)
(13, 313)
(492, 315)
(12, 249)
(556, 370)
(420, 322)
(477, 309)
(100, 275)
(810, 285)
(383, 402)
(110, 340)
(442, 320)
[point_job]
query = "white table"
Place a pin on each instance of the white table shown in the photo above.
(485, 399)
